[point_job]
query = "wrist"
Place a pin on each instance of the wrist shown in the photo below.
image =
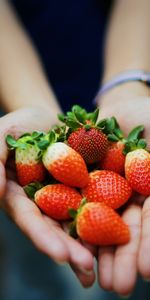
(125, 91)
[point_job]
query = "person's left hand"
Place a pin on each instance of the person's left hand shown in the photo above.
(118, 266)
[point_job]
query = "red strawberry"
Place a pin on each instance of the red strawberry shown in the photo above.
(114, 158)
(29, 167)
(55, 200)
(66, 165)
(108, 187)
(84, 135)
(90, 143)
(99, 224)
(137, 171)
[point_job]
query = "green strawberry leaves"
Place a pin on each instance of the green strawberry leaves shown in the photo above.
(93, 116)
(24, 140)
(114, 134)
(60, 132)
(36, 135)
(47, 140)
(32, 188)
(38, 139)
(73, 214)
(78, 117)
(133, 140)
(43, 144)
(135, 133)
(142, 144)
(111, 128)
(80, 113)
(72, 230)
(11, 142)
(133, 145)
(71, 119)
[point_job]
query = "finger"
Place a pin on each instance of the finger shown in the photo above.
(86, 278)
(30, 220)
(79, 255)
(81, 258)
(125, 260)
(92, 248)
(105, 267)
(144, 251)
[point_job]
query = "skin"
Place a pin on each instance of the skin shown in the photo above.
(130, 103)
(30, 103)
(47, 235)
(118, 267)
(26, 101)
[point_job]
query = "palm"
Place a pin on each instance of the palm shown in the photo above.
(118, 266)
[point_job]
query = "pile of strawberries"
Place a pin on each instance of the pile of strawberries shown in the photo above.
(84, 171)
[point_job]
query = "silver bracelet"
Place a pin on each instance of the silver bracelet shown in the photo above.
(126, 76)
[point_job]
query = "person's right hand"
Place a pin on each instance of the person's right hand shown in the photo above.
(47, 235)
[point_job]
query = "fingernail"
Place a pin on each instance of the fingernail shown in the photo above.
(85, 272)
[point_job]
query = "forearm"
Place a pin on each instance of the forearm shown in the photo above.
(22, 79)
(127, 40)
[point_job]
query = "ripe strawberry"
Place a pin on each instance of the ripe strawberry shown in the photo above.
(55, 200)
(90, 143)
(98, 224)
(114, 158)
(84, 135)
(107, 187)
(137, 171)
(66, 165)
(29, 167)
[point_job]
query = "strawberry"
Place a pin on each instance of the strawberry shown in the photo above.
(84, 135)
(90, 143)
(29, 166)
(55, 200)
(65, 164)
(137, 171)
(99, 224)
(107, 187)
(114, 158)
